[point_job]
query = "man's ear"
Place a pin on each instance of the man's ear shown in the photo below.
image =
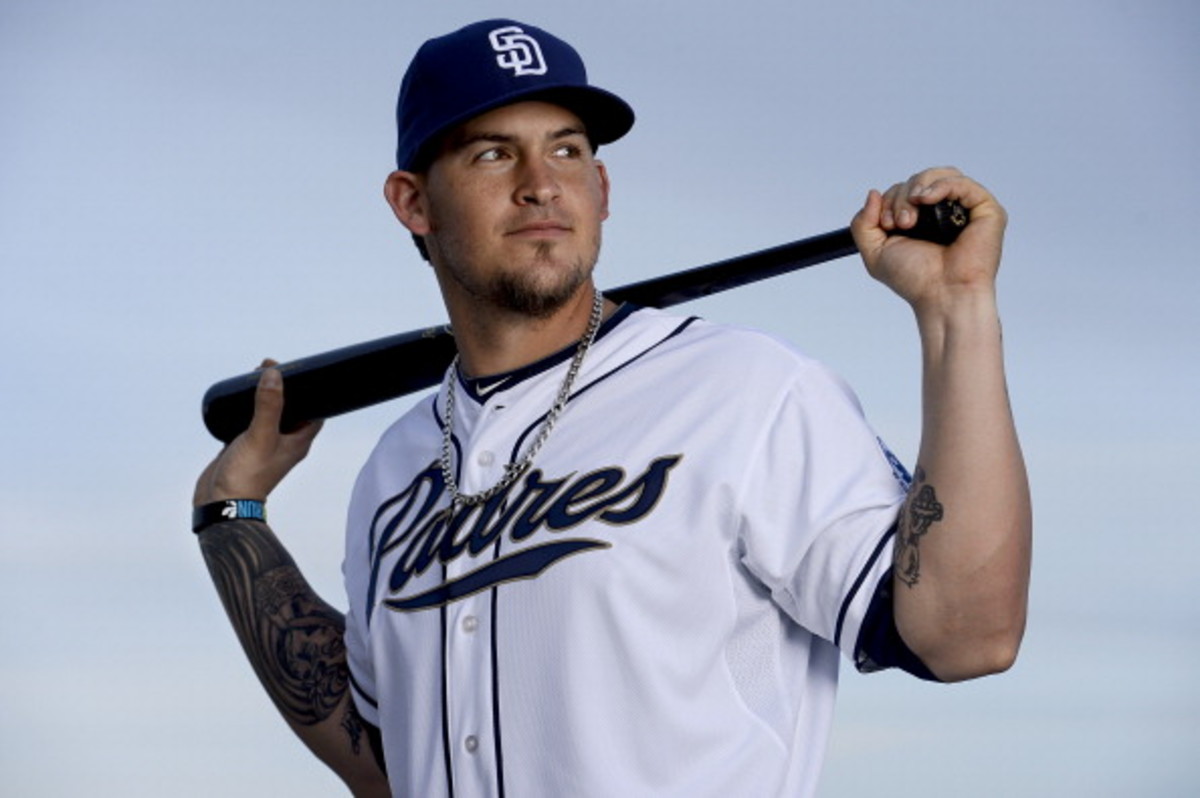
(405, 192)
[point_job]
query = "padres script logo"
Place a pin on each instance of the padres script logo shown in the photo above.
(518, 51)
(424, 534)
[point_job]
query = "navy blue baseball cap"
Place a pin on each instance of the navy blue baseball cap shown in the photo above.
(489, 64)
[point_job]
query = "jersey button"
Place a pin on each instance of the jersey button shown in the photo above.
(470, 623)
(471, 743)
(486, 459)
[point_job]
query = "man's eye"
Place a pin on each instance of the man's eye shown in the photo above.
(493, 154)
(567, 151)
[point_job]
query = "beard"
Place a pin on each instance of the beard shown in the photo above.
(536, 288)
(538, 295)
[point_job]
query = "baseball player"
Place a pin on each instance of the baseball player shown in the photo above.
(621, 552)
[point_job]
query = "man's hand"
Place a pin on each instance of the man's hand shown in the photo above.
(931, 277)
(257, 460)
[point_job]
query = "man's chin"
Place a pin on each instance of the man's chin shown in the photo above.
(534, 303)
(539, 299)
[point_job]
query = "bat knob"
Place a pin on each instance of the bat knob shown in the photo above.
(940, 223)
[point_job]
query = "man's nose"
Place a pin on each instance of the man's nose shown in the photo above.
(538, 184)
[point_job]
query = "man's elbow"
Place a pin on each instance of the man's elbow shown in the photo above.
(969, 657)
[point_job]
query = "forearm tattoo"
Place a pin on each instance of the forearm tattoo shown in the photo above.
(920, 511)
(292, 637)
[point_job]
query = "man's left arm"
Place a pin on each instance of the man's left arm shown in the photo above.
(962, 548)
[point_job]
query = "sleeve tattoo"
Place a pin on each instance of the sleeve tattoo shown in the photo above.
(920, 511)
(294, 640)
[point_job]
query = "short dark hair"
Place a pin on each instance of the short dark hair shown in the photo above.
(420, 242)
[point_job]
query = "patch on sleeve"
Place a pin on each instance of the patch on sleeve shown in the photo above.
(898, 469)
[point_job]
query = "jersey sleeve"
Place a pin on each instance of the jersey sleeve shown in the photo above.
(356, 575)
(362, 677)
(879, 645)
(818, 500)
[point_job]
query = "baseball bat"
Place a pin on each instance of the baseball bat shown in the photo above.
(357, 376)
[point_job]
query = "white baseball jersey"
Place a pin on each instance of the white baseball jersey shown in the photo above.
(656, 607)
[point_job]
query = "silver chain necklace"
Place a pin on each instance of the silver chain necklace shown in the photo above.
(513, 471)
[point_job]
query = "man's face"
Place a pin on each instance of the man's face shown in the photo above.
(513, 206)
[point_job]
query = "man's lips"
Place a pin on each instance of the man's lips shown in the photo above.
(539, 229)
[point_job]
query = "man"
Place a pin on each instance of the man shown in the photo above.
(619, 552)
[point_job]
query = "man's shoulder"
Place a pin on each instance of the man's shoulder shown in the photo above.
(417, 425)
(730, 345)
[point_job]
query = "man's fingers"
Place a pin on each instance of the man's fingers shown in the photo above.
(268, 404)
(988, 217)
(926, 187)
(866, 226)
(302, 438)
(269, 399)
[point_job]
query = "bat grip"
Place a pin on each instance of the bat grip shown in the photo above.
(940, 223)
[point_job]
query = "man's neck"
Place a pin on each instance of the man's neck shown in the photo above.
(498, 342)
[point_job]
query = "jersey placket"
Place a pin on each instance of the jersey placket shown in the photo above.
(467, 657)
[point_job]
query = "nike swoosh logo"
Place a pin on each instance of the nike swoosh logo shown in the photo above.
(485, 390)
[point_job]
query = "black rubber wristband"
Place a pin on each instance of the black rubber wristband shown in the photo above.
(227, 510)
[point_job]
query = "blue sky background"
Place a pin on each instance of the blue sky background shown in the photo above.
(188, 187)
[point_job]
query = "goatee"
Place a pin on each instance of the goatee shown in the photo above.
(524, 294)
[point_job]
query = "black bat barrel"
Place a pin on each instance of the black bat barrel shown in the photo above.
(335, 382)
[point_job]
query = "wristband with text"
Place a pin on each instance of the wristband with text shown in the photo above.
(227, 510)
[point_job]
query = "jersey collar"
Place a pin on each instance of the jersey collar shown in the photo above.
(480, 389)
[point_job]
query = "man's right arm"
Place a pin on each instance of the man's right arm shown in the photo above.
(293, 639)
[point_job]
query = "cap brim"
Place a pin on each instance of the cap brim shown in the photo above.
(605, 115)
